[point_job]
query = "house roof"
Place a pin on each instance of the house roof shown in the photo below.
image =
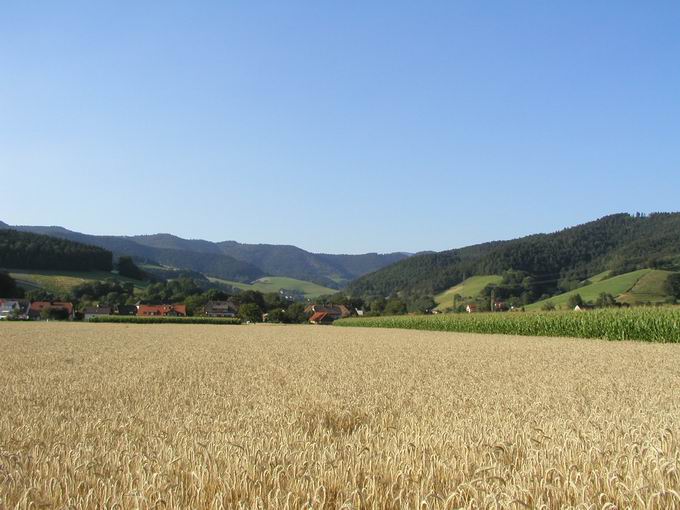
(37, 306)
(126, 309)
(320, 317)
(97, 310)
(162, 309)
(229, 305)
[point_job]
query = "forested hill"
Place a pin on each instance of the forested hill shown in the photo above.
(231, 260)
(215, 264)
(24, 250)
(619, 242)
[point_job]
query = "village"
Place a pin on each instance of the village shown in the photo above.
(22, 309)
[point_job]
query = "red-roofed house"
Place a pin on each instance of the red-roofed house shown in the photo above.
(162, 310)
(322, 318)
(334, 311)
(37, 307)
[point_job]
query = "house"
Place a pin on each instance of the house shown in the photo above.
(322, 318)
(220, 309)
(58, 307)
(472, 308)
(126, 310)
(96, 311)
(176, 310)
(13, 308)
(500, 306)
(334, 311)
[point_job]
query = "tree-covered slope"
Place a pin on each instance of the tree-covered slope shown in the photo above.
(25, 250)
(620, 242)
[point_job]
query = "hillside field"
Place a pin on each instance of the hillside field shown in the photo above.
(468, 289)
(61, 282)
(648, 289)
(616, 285)
(164, 416)
(275, 283)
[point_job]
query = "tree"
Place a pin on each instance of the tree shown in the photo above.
(9, 288)
(395, 306)
(278, 315)
(423, 304)
(195, 303)
(296, 313)
(251, 297)
(54, 314)
(574, 301)
(127, 268)
(548, 306)
(672, 285)
(274, 301)
(377, 306)
(605, 300)
(250, 312)
(40, 295)
(216, 295)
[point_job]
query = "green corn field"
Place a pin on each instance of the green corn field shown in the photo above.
(660, 324)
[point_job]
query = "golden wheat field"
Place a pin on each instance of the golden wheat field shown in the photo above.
(180, 416)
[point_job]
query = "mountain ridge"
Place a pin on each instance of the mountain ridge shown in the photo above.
(229, 259)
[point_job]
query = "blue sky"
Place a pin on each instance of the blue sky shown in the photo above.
(337, 126)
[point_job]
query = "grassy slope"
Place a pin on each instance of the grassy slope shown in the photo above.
(649, 288)
(470, 288)
(61, 282)
(275, 283)
(599, 277)
(616, 285)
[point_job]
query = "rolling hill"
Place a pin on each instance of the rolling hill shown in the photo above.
(230, 260)
(620, 242)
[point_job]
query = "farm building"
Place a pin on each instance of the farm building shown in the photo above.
(35, 311)
(322, 318)
(220, 309)
(334, 311)
(177, 310)
(18, 307)
(126, 310)
(471, 308)
(96, 311)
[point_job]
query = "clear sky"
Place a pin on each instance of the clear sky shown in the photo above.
(337, 126)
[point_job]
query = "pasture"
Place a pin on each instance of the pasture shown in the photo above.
(275, 283)
(62, 282)
(467, 290)
(193, 416)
